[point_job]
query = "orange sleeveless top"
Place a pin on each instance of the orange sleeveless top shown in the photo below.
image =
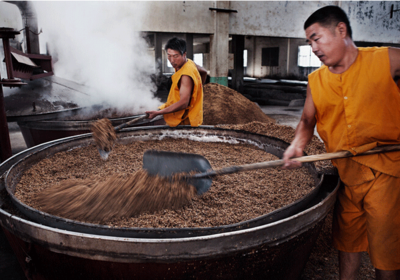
(193, 114)
(358, 110)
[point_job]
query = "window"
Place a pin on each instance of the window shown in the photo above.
(245, 58)
(270, 57)
(306, 58)
(198, 59)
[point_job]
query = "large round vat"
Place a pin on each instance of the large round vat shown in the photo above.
(273, 246)
(59, 114)
(37, 131)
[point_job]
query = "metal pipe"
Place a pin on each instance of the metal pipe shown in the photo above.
(7, 55)
(28, 40)
(5, 143)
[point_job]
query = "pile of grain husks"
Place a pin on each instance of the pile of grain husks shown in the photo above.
(223, 105)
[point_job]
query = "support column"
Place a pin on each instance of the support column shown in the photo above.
(5, 143)
(219, 45)
(158, 53)
(237, 73)
(30, 19)
(189, 46)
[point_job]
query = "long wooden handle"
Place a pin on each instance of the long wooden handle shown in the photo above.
(280, 162)
(121, 126)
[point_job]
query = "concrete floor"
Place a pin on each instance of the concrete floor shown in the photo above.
(284, 115)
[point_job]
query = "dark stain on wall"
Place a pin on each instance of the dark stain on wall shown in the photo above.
(376, 14)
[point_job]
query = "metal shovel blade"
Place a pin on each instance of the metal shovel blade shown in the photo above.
(165, 164)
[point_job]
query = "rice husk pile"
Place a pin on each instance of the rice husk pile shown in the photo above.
(118, 196)
(223, 105)
(104, 134)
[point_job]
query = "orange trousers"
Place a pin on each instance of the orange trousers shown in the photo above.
(367, 218)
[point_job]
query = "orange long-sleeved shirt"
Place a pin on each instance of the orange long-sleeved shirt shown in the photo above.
(358, 110)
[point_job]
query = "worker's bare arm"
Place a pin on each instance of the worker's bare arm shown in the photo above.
(303, 134)
(203, 73)
(394, 56)
(185, 92)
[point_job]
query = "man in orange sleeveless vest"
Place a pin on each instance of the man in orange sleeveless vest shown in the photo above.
(355, 103)
(184, 105)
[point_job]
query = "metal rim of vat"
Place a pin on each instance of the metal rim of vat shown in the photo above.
(44, 116)
(58, 124)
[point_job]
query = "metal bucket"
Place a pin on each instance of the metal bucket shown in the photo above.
(273, 246)
(36, 131)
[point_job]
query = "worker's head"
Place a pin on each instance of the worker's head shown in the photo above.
(328, 32)
(176, 52)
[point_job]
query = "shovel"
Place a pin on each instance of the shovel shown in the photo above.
(165, 164)
(104, 154)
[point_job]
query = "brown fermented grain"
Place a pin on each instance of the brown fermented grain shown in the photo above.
(231, 199)
(104, 134)
(118, 196)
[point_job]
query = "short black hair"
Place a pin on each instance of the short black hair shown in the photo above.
(176, 44)
(329, 16)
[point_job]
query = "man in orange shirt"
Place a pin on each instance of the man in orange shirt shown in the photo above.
(355, 103)
(184, 105)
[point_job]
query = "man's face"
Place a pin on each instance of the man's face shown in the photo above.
(326, 43)
(176, 58)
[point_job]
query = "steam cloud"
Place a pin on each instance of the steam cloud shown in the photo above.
(98, 44)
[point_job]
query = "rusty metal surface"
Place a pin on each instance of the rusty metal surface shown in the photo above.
(31, 66)
(5, 144)
(284, 261)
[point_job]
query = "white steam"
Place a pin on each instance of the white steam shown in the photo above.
(98, 44)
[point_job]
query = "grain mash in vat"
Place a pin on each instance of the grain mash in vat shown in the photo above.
(231, 199)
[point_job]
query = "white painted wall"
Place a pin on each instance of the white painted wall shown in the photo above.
(369, 19)
(371, 22)
(272, 18)
(179, 16)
